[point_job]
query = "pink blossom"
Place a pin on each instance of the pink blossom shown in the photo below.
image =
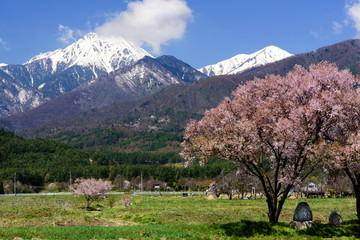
(126, 202)
(271, 126)
(91, 189)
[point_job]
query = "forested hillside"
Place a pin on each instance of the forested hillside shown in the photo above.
(121, 140)
(38, 162)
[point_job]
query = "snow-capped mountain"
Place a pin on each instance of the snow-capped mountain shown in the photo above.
(132, 82)
(3, 64)
(85, 59)
(137, 80)
(96, 52)
(242, 62)
(51, 74)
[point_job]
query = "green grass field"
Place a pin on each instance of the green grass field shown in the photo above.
(166, 217)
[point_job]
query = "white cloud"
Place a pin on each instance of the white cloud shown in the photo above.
(337, 27)
(2, 42)
(4, 45)
(353, 11)
(152, 22)
(315, 34)
(67, 35)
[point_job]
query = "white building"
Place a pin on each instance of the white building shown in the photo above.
(310, 186)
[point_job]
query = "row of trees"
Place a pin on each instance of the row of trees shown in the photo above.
(39, 177)
(278, 129)
(172, 176)
(38, 161)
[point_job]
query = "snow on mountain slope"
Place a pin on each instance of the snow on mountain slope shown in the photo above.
(242, 62)
(3, 64)
(139, 79)
(104, 53)
(51, 74)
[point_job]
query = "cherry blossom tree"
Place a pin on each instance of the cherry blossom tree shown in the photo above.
(270, 126)
(342, 155)
(91, 189)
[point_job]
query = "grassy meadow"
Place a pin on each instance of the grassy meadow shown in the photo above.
(166, 217)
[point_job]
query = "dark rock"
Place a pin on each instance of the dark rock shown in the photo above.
(302, 212)
(335, 218)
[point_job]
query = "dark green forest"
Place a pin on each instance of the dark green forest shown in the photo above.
(37, 162)
(121, 140)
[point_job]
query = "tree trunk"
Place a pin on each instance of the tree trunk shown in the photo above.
(272, 205)
(282, 201)
(275, 205)
(357, 195)
(355, 180)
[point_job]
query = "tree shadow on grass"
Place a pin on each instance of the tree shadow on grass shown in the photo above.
(247, 228)
(348, 229)
(91, 209)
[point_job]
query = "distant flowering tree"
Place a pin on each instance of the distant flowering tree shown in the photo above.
(126, 202)
(271, 126)
(91, 189)
(227, 184)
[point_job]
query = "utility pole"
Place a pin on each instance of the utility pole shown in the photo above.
(15, 184)
(141, 182)
(70, 182)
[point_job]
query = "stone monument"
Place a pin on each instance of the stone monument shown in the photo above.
(302, 212)
(303, 217)
(335, 218)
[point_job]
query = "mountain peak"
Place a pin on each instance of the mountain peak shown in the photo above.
(90, 35)
(51, 74)
(242, 62)
(95, 51)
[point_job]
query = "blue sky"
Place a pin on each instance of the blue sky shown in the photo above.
(199, 32)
